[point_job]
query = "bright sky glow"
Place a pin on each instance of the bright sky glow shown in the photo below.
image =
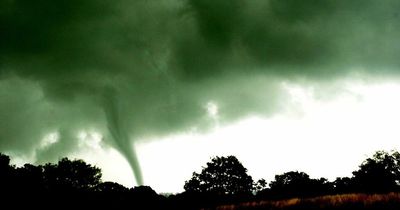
(49, 139)
(212, 109)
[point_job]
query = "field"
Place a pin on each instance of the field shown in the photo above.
(389, 201)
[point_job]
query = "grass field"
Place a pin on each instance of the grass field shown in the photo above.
(390, 201)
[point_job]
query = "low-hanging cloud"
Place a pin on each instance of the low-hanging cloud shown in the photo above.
(135, 68)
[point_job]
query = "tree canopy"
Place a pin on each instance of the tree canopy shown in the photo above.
(71, 175)
(380, 173)
(298, 184)
(222, 175)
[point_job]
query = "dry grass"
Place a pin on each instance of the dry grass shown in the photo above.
(346, 201)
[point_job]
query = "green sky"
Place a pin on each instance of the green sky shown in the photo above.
(134, 69)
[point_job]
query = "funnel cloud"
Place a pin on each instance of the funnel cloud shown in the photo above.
(137, 69)
(120, 135)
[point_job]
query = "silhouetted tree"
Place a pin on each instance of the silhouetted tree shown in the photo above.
(68, 183)
(321, 186)
(223, 175)
(298, 184)
(260, 185)
(69, 175)
(290, 184)
(146, 196)
(381, 173)
(145, 191)
(110, 195)
(110, 187)
(30, 179)
(4, 161)
(6, 174)
(343, 185)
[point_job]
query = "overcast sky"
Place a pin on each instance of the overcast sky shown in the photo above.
(150, 90)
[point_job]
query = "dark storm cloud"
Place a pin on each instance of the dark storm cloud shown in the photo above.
(314, 38)
(21, 126)
(131, 69)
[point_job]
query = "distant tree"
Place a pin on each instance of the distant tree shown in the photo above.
(30, 178)
(298, 184)
(4, 161)
(145, 191)
(7, 171)
(343, 185)
(110, 187)
(291, 183)
(380, 173)
(223, 175)
(69, 175)
(146, 196)
(260, 185)
(321, 186)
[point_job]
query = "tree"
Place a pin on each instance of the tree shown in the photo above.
(110, 187)
(30, 178)
(7, 171)
(223, 175)
(343, 185)
(4, 161)
(381, 173)
(260, 185)
(290, 184)
(298, 184)
(70, 175)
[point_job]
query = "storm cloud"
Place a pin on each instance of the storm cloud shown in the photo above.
(130, 69)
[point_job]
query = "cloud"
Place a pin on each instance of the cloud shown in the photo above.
(133, 69)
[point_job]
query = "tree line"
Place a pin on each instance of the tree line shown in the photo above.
(223, 180)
